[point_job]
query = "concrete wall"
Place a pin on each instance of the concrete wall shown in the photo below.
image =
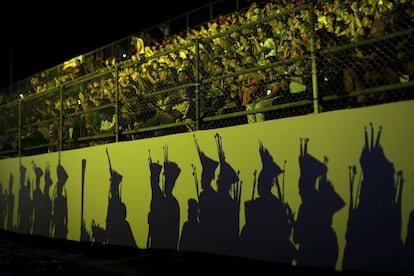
(284, 191)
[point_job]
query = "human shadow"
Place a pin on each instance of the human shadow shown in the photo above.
(164, 214)
(374, 213)
(313, 232)
(42, 203)
(59, 224)
(118, 230)
(10, 204)
(219, 207)
(25, 204)
(269, 219)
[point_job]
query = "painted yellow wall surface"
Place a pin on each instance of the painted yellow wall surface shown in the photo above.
(337, 135)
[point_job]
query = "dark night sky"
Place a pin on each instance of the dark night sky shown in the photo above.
(43, 35)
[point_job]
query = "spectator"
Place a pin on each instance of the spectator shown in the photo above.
(256, 98)
(137, 48)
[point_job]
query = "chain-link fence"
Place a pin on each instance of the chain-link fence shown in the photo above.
(10, 129)
(364, 54)
(264, 63)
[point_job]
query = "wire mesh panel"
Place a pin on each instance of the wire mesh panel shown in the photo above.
(40, 115)
(89, 110)
(9, 129)
(364, 53)
(157, 94)
(257, 63)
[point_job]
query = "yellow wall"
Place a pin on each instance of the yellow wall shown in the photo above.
(338, 135)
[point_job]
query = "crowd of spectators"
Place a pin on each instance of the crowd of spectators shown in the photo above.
(265, 33)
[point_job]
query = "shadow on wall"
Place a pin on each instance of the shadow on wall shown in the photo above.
(212, 225)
